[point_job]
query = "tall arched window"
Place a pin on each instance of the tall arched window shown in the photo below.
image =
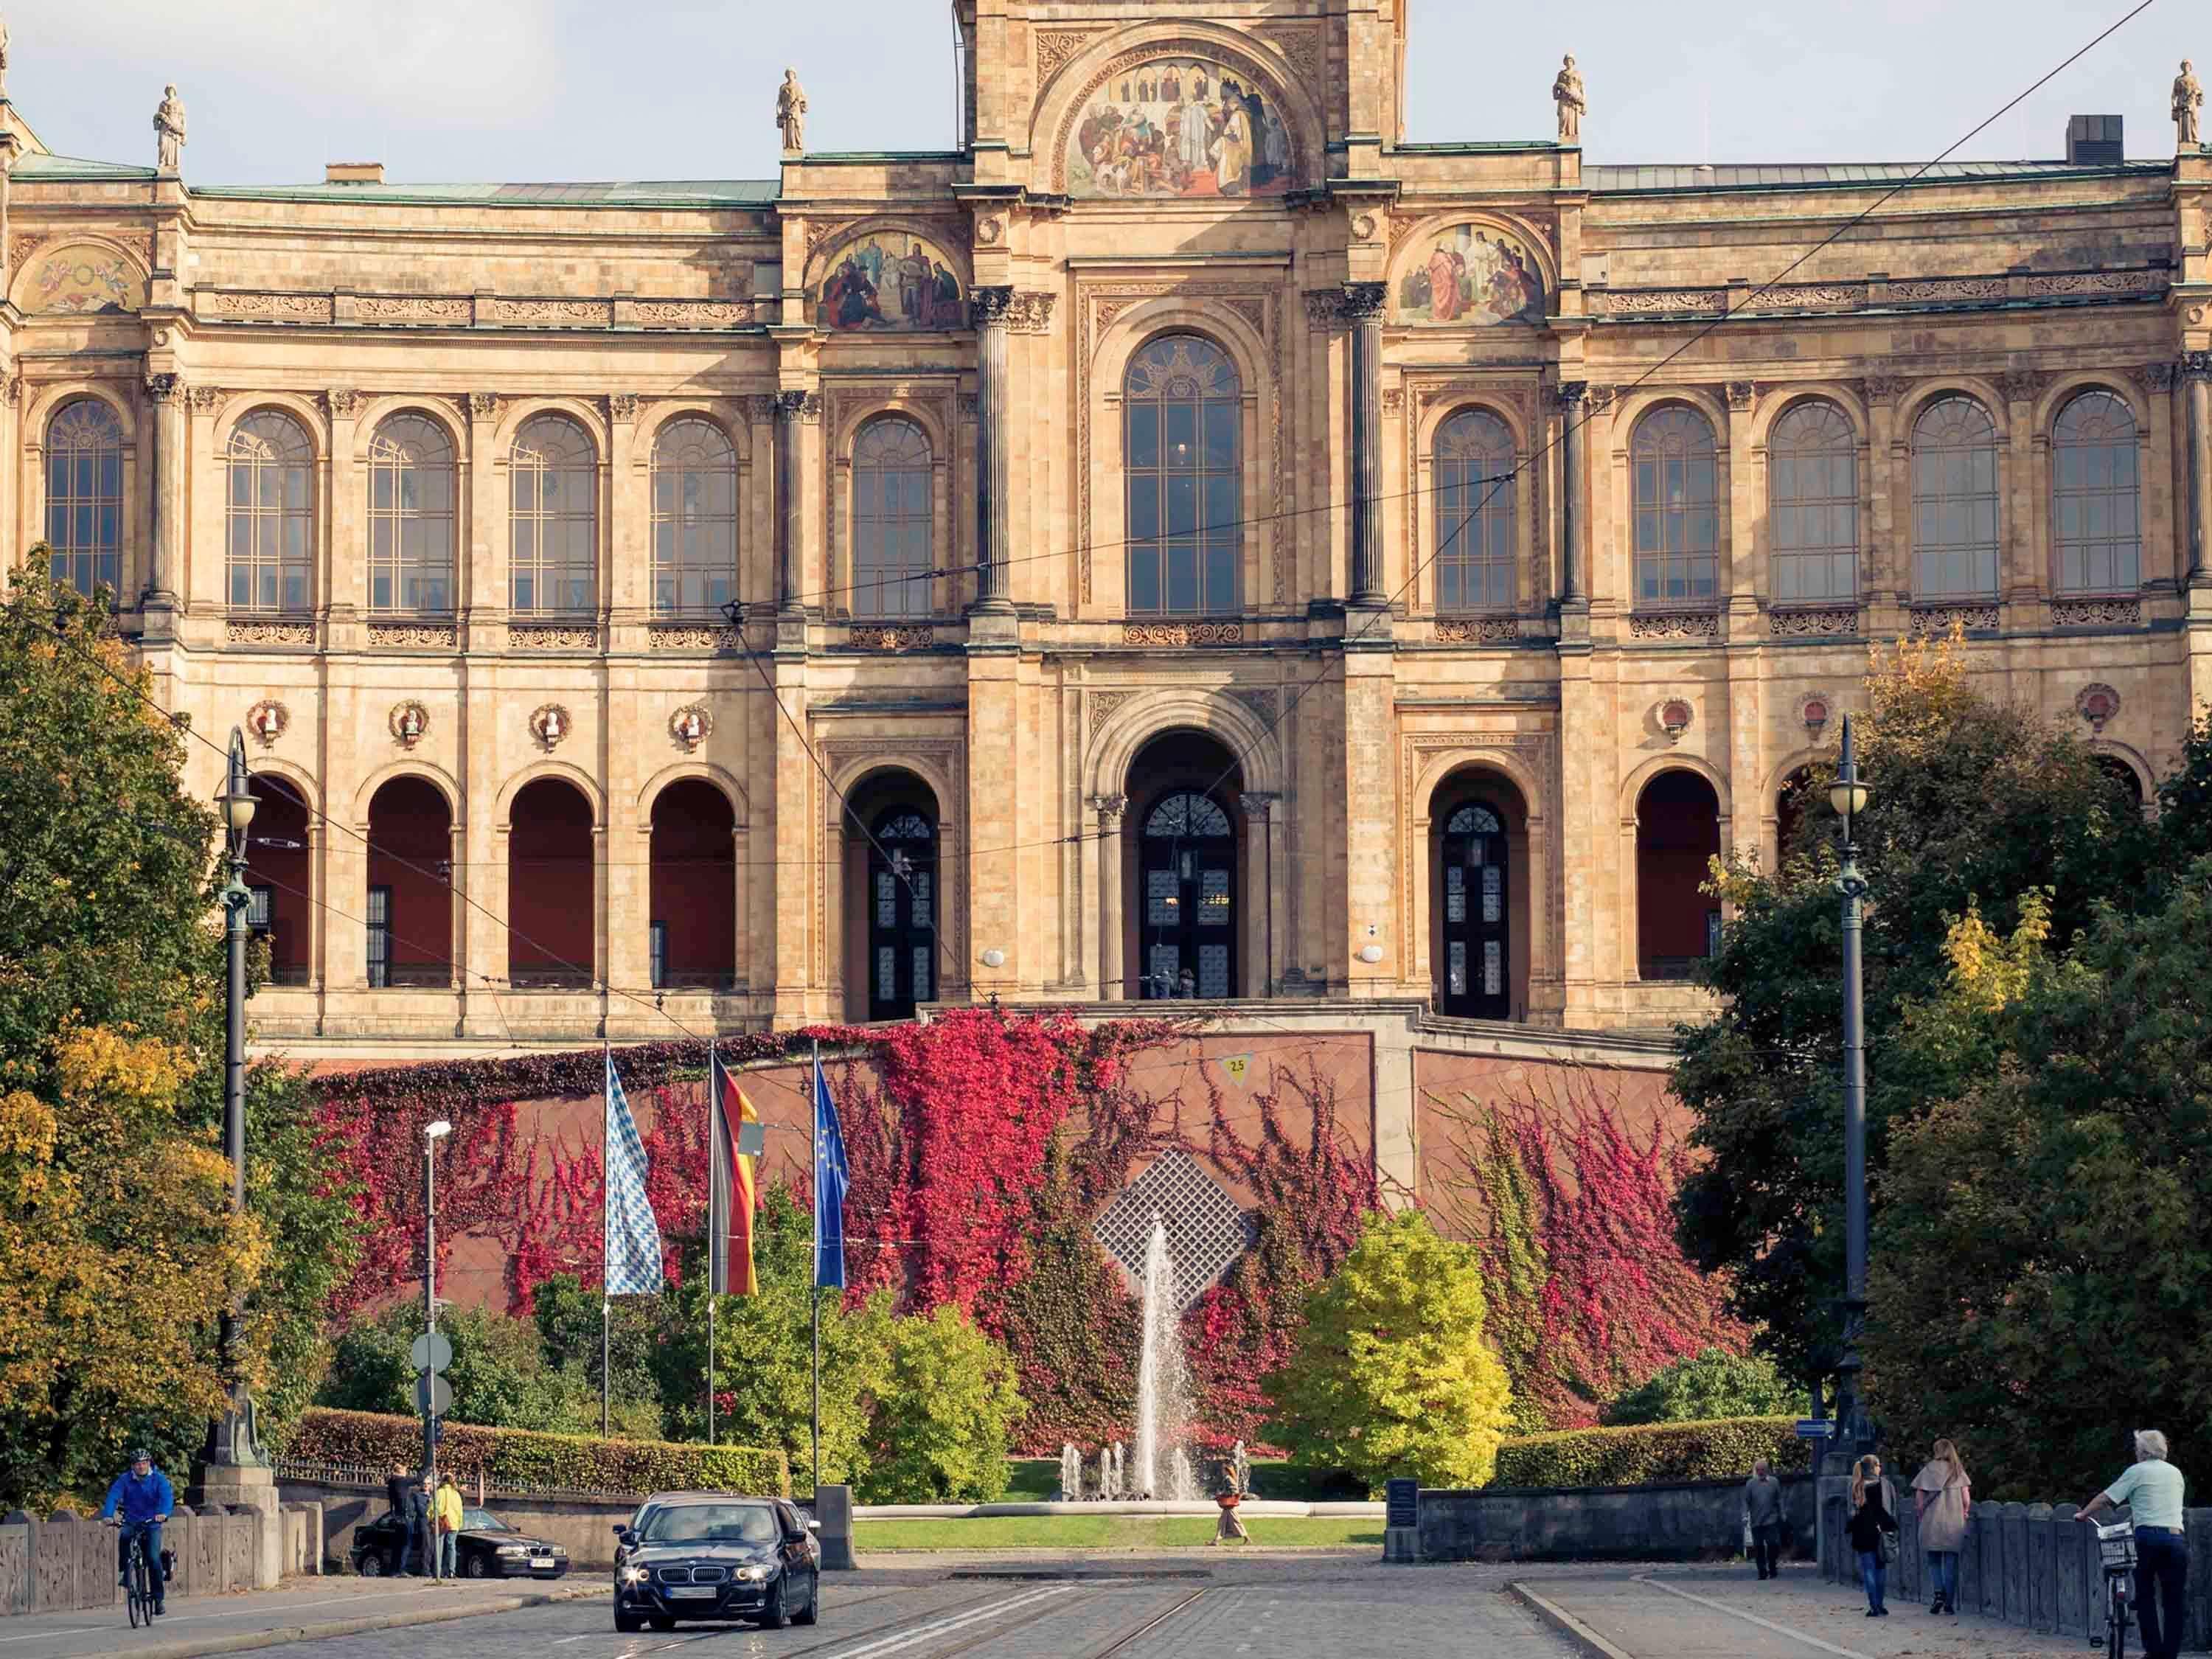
(2093, 497)
(1474, 513)
(84, 495)
(1678, 548)
(1183, 413)
(893, 514)
(1812, 504)
(553, 520)
(1954, 500)
(269, 514)
(695, 519)
(412, 488)
(1188, 862)
(902, 914)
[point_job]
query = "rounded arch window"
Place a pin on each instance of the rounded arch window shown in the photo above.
(84, 496)
(411, 490)
(1182, 430)
(894, 516)
(1187, 860)
(1472, 896)
(269, 514)
(1954, 500)
(2095, 502)
(695, 518)
(1677, 478)
(902, 912)
(553, 519)
(1473, 460)
(1812, 504)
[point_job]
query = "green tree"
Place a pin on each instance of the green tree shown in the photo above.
(1392, 1376)
(1972, 800)
(566, 1314)
(2042, 1278)
(947, 1411)
(1708, 1384)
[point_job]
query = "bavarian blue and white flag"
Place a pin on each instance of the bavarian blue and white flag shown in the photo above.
(829, 1177)
(632, 1238)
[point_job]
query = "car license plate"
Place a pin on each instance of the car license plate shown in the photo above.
(693, 1592)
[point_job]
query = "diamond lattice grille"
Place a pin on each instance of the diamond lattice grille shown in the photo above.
(1206, 1230)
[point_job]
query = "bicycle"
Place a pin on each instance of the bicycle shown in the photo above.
(2116, 1548)
(137, 1572)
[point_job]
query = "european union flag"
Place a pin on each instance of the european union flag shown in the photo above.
(829, 1178)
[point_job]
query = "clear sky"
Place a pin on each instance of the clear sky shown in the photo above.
(444, 90)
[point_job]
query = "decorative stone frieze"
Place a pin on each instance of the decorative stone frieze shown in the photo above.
(1674, 625)
(1929, 621)
(906, 636)
(1477, 630)
(269, 633)
(1183, 634)
(413, 636)
(2125, 612)
(542, 636)
(1814, 621)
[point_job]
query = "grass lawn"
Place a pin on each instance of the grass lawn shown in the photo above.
(1102, 1532)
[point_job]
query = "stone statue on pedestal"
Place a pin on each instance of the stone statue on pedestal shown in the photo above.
(2188, 100)
(169, 130)
(4, 58)
(791, 112)
(1567, 93)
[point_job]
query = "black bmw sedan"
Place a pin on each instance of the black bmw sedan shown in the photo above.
(485, 1547)
(703, 1555)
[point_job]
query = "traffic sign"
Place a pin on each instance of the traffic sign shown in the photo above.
(434, 1395)
(1815, 1428)
(431, 1351)
(752, 1140)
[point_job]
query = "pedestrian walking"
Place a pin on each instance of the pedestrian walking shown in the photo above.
(418, 1529)
(1873, 1530)
(1942, 1496)
(2152, 1490)
(395, 1490)
(446, 1515)
(1762, 1518)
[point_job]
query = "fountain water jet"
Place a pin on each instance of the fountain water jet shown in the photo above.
(1162, 1467)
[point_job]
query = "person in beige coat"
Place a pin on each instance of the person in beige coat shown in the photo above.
(1941, 1496)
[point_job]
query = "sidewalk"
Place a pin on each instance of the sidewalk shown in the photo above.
(1725, 1613)
(303, 1610)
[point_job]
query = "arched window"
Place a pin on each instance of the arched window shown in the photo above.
(902, 914)
(1473, 867)
(412, 488)
(553, 520)
(1474, 513)
(1190, 864)
(1677, 508)
(84, 495)
(1183, 413)
(893, 515)
(695, 519)
(2094, 496)
(1812, 504)
(1954, 500)
(269, 514)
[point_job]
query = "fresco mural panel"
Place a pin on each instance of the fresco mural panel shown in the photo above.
(1473, 276)
(1181, 126)
(82, 277)
(890, 281)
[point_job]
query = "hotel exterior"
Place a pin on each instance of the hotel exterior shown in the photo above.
(1188, 542)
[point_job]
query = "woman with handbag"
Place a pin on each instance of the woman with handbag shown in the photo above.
(1873, 1530)
(1943, 1497)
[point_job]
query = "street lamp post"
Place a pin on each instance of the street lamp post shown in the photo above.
(1848, 796)
(231, 1440)
(432, 1134)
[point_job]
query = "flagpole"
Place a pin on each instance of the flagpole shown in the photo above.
(606, 1302)
(814, 1291)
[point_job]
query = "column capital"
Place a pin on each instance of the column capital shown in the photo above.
(991, 307)
(1260, 803)
(2195, 365)
(791, 405)
(1110, 808)
(1365, 301)
(164, 387)
(1567, 393)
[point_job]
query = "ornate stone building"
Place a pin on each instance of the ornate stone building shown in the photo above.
(1186, 541)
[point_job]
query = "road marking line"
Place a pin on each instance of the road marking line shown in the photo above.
(946, 1626)
(1754, 1618)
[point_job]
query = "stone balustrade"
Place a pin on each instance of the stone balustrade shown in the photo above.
(67, 1562)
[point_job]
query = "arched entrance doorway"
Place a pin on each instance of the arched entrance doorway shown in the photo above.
(2125, 783)
(1184, 789)
(692, 934)
(1678, 833)
(552, 920)
(892, 910)
(1797, 801)
(280, 876)
(1480, 931)
(409, 908)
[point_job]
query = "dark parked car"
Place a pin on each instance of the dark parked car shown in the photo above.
(485, 1547)
(699, 1556)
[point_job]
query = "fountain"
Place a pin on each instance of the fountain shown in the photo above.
(1071, 1473)
(1162, 1469)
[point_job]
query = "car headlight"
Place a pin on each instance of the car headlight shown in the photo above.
(753, 1575)
(634, 1575)
(514, 1549)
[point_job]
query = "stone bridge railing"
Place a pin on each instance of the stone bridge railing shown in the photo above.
(68, 1563)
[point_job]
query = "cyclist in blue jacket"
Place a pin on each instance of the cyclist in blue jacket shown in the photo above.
(143, 1495)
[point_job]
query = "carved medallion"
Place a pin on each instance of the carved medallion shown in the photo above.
(1813, 712)
(690, 725)
(2097, 704)
(267, 720)
(408, 721)
(1675, 717)
(549, 724)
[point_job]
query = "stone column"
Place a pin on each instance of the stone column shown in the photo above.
(1363, 305)
(166, 393)
(789, 407)
(1113, 981)
(992, 307)
(1258, 943)
(1574, 514)
(2196, 377)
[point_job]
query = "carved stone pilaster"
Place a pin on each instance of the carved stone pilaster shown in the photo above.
(992, 308)
(1364, 304)
(623, 407)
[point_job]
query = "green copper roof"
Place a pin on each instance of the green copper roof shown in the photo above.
(627, 193)
(1799, 175)
(74, 169)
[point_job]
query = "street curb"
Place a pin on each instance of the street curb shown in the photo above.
(247, 1641)
(1566, 1624)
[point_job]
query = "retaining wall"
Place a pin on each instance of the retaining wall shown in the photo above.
(1664, 1521)
(67, 1563)
(581, 1523)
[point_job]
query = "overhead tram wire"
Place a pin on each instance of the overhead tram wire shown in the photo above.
(1275, 720)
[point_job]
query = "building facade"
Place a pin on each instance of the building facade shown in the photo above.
(1187, 543)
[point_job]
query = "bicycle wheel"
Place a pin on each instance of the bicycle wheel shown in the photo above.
(2116, 1623)
(134, 1588)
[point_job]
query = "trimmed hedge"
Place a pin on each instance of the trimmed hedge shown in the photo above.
(519, 1457)
(1721, 1449)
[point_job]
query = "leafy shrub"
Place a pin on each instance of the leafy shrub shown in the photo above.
(944, 1417)
(571, 1462)
(1718, 1450)
(1708, 1385)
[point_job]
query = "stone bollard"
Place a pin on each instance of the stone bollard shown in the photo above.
(1401, 1521)
(833, 1510)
